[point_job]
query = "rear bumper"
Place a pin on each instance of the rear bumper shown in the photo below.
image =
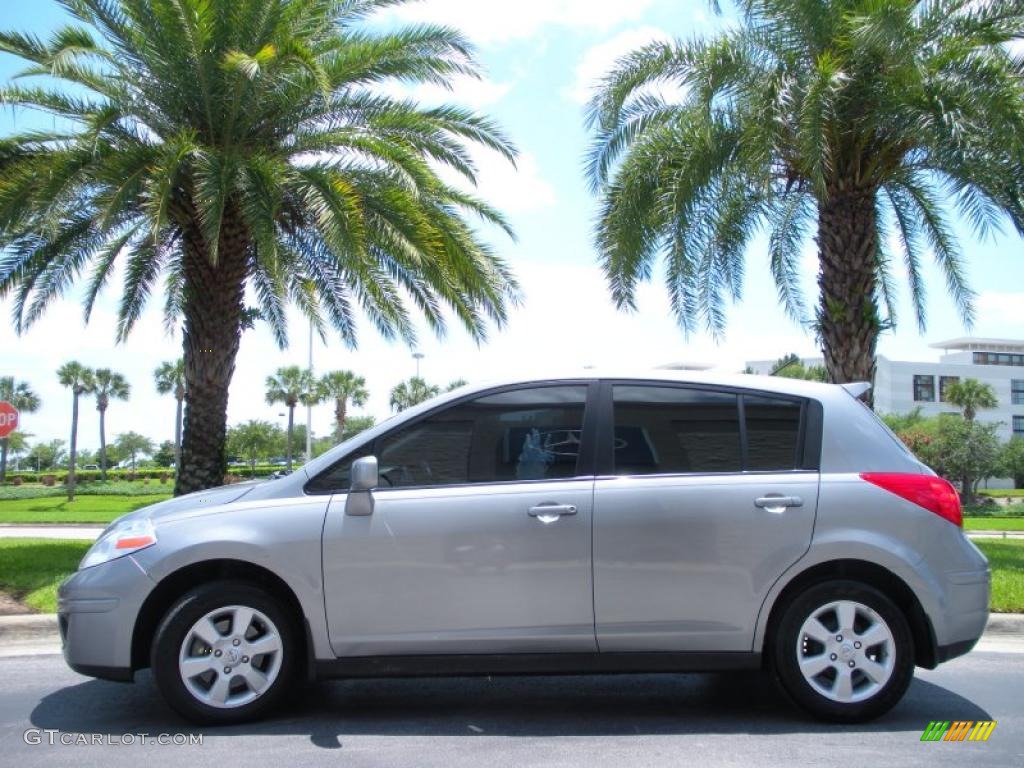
(965, 612)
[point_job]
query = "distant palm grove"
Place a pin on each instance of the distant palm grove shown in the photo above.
(220, 145)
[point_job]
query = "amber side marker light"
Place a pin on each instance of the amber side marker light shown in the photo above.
(933, 493)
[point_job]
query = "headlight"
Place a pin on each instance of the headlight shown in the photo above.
(122, 539)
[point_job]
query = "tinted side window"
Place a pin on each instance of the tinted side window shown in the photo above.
(525, 434)
(773, 433)
(664, 430)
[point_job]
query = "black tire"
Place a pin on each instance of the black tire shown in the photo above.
(785, 655)
(178, 622)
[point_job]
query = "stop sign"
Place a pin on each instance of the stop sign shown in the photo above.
(8, 419)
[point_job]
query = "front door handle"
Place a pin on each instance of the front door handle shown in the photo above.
(778, 504)
(548, 513)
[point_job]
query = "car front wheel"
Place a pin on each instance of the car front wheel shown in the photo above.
(844, 651)
(224, 653)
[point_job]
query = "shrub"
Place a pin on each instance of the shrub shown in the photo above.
(48, 480)
(16, 481)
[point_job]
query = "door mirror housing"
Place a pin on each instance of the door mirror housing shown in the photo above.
(364, 479)
(364, 474)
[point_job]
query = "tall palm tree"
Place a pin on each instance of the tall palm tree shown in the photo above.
(170, 377)
(290, 386)
(851, 120)
(107, 384)
(21, 396)
(228, 145)
(344, 388)
(79, 380)
(970, 395)
(406, 394)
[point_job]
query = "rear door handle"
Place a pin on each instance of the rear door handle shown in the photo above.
(548, 513)
(778, 504)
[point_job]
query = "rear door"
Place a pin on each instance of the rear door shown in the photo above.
(705, 497)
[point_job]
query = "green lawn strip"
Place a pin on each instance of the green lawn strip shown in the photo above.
(993, 523)
(1007, 561)
(31, 569)
(1009, 493)
(84, 509)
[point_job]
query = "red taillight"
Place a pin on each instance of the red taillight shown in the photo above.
(933, 493)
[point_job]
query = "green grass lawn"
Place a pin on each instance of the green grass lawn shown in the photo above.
(31, 569)
(989, 523)
(1007, 561)
(84, 509)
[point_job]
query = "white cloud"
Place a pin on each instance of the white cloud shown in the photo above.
(490, 21)
(600, 59)
(511, 189)
(1002, 308)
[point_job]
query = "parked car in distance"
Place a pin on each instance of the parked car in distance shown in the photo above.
(88, 467)
(623, 522)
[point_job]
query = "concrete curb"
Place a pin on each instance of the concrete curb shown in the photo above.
(42, 628)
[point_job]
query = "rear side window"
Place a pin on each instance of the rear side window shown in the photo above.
(666, 430)
(773, 433)
(683, 430)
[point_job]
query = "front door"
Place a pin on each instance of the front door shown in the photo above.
(479, 541)
(713, 499)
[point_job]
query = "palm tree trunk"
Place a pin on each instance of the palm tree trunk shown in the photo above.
(103, 444)
(177, 435)
(74, 447)
(4, 443)
(213, 303)
(291, 425)
(340, 414)
(848, 321)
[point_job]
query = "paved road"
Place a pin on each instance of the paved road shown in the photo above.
(636, 720)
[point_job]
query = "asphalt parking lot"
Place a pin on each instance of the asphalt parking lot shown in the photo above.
(634, 720)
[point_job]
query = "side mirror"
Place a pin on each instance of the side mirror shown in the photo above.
(364, 479)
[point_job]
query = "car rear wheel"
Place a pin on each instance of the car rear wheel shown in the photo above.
(843, 651)
(224, 653)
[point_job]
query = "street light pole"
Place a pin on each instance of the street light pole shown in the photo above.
(309, 404)
(417, 356)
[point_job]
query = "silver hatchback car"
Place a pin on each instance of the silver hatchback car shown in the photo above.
(661, 522)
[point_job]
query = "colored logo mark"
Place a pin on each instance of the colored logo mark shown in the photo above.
(958, 730)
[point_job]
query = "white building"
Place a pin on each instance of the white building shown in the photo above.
(901, 386)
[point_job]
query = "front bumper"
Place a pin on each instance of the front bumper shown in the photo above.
(96, 611)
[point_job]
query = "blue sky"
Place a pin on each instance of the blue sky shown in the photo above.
(541, 57)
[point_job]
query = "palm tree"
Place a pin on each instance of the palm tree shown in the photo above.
(79, 380)
(290, 386)
(412, 392)
(107, 384)
(170, 377)
(344, 388)
(849, 119)
(969, 395)
(227, 145)
(132, 444)
(21, 396)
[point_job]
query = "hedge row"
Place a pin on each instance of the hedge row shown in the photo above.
(162, 474)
